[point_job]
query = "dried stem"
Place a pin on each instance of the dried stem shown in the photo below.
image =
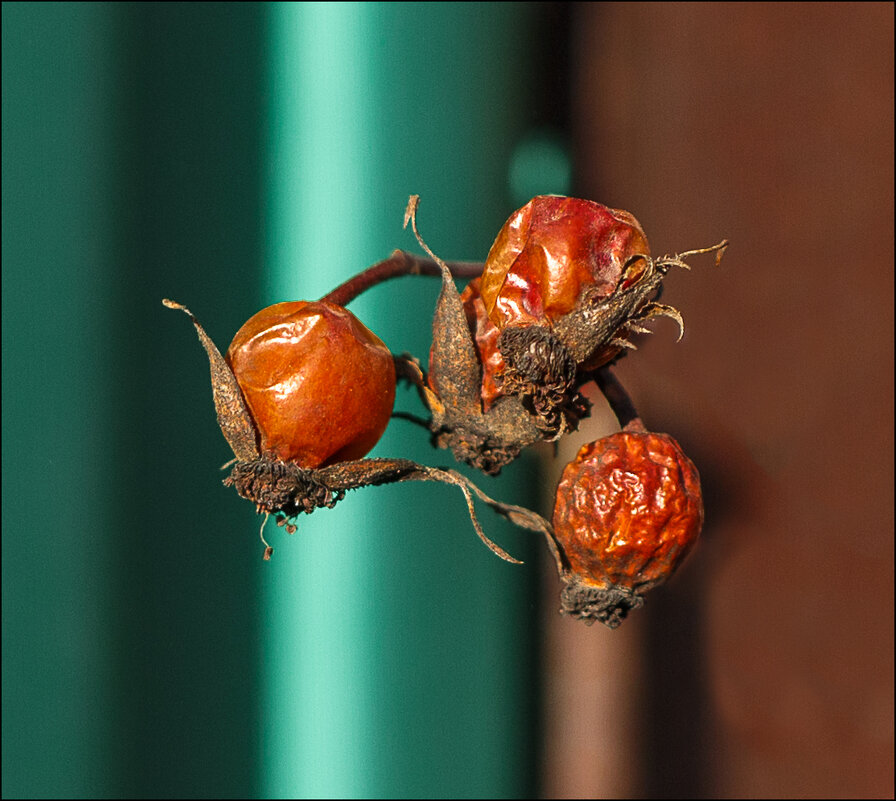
(286, 490)
(619, 399)
(398, 264)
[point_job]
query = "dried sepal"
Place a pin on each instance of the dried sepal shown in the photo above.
(678, 259)
(654, 309)
(453, 355)
(485, 442)
(451, 391)
(459, 481)
(233, 414)
(596, 320)
(524, 518)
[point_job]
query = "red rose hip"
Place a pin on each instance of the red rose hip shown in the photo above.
(319, 385)
(628, 510)
(565, 282)
(485, 339)
(550, 251)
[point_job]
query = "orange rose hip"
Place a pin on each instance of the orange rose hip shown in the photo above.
(628, 510)
(550, 251)
(319, 385)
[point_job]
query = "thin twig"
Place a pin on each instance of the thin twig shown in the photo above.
(412, 418)
(398, 264)
(619, 399)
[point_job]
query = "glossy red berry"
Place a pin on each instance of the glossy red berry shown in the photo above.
(628, 510)
(553, 250)
(565, 283)
(319, 385)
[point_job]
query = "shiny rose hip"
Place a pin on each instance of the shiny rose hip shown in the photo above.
(319, 385)
(550, 252)
(628, 510)
(565, 283)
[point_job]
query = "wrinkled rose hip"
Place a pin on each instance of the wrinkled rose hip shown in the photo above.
(628, 510)
(565, 283)
(552, 249)
(319, 385)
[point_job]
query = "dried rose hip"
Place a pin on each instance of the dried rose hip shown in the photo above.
(312, 365)
(566, 281)
(553, 249)
(494, 388)
(628, 510)
(319, 385)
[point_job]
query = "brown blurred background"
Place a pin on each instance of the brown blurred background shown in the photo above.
(765, 668)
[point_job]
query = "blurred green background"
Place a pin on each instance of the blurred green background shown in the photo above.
(230, 156)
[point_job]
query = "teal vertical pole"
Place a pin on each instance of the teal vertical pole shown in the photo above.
(398, 653)
(318, 631)
(130, 173)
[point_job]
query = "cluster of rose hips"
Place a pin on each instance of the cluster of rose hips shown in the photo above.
(305, 390)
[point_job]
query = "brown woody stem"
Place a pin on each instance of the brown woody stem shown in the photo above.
(399, 263)
(619, 399)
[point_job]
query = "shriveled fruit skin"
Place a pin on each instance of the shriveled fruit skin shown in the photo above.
(628, 510)
(485, 338)
(319, 384)
(550, 251)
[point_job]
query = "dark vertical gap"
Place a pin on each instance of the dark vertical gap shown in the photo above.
(190, 218)
(548, 109)
(676, 713)
(550, 83)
